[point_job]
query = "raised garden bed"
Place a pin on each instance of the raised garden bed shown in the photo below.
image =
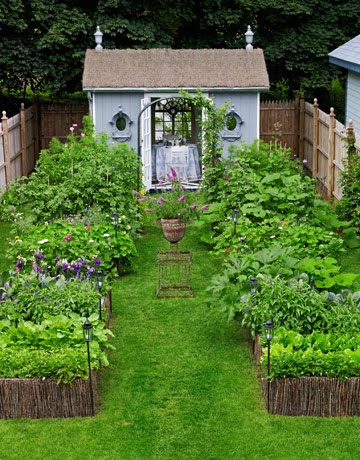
(38, 398)
(314, 396)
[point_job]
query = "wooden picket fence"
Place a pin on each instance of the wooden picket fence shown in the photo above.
(19, 147)
(314, 137)
(24, 135)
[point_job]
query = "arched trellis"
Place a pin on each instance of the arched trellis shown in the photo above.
(143, 109)
(149, 105)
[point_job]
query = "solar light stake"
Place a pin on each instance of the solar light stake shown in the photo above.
(87, 330)
(268, 327)
(99, 281)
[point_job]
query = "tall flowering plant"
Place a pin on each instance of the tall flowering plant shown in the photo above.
(176, 203)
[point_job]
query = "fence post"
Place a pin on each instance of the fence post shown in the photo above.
(331, 155)
(301, 126)
(315, 168)
(4, 121)
(350, 131)
(36, 128)
(23, 140)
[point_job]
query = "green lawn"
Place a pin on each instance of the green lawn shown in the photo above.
(181, 385)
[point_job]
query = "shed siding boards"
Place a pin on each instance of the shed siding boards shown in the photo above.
(107, 105)
(353, 100)
(247, 106)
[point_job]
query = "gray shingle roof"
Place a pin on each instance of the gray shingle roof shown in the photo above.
(169, 68)
(347, 55)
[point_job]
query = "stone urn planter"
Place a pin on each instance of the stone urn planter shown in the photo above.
(173, 229)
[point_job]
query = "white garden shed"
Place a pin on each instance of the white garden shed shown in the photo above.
(134, 97)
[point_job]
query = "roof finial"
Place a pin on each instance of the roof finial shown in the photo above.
(249, 34)
(98, 39)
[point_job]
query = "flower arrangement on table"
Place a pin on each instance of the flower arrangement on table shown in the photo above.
(176, 203)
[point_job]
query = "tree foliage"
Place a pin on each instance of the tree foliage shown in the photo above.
(44, 41)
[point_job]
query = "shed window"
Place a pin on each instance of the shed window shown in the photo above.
(174, 117)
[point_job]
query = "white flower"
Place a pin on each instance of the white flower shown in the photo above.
(106, 235)
(91, 241)
(272, 236)
(43, 241)
(280, 228)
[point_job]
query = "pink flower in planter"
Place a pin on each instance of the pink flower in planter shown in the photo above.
(68, 238)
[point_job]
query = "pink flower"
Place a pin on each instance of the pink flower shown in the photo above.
(205, 207)
(216, 160)
(173, 172)
(304, 161)
(193, 206)
(182, 198)
(68, 238)
(162, 199)
(135, 192)
(82, 134)
(141, 199)
(71, 128)
(150, 211)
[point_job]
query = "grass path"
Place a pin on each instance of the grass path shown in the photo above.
(181, 385)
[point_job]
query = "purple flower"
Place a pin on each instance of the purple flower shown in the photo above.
(153, 199)
(65, 266)
(18, 264)
(136, 193)
(182, 198)
(161, 198)
(96, 261)
(173, 172)
(141, 199)
(90, 271)
(38, 255)
(205, 207)
(148, 210)
(68, 238)
(193, 206)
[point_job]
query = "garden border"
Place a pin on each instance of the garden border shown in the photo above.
(45, 398)
(309, 396)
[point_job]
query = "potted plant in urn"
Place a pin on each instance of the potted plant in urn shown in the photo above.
(173, 208)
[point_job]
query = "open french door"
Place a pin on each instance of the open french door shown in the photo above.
(146, 143)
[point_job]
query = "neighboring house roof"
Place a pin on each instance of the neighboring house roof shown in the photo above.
(347, 55)
(170, 68)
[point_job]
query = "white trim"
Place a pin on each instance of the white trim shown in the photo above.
(93, 108)
(171, 90)
(258, 117)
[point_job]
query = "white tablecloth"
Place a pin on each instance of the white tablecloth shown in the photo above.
(184, 159)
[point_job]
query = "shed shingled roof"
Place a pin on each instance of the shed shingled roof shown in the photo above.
(170, 68)
(347, 55)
